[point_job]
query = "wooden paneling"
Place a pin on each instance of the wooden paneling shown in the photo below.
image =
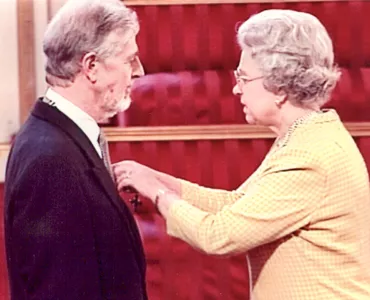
(26, 57)
(210, 132)
(4, 150)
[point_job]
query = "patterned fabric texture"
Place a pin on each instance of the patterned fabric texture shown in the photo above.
(302, 217)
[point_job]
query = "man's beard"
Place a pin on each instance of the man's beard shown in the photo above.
(124, 104)
(111, 108)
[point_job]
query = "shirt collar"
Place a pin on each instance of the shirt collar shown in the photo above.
(83, 120)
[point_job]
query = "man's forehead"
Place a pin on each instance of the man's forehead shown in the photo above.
(131, 46)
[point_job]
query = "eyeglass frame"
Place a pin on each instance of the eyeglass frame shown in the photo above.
(242, 78)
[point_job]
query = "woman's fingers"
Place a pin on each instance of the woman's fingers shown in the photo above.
(127, 167)
(124, 182)
(120, 168)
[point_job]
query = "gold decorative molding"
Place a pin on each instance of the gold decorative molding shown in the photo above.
(178, 2)
(206, 132)
(210, 132)
(185, 133)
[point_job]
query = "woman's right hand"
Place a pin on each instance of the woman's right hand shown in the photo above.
(137, 176)
(123, 169)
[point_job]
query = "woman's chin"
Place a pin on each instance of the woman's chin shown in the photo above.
(250, 120)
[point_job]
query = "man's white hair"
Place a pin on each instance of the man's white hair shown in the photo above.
(294, 52)
(82, 26)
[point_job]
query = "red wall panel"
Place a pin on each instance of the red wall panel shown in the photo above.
(202, 37)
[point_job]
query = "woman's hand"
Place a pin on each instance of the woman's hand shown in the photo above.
(139, 177)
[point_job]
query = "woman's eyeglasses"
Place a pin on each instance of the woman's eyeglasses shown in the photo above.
(242, 80)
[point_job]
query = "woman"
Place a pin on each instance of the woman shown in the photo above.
(304, 213)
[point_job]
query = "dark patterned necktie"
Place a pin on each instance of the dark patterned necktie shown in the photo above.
(103, 144)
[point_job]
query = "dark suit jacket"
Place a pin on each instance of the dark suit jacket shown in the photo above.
(68, 233)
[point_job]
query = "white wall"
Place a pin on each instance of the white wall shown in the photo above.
(9, 80)
(55, 5)
(9, 93)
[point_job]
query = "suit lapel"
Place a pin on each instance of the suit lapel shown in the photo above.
(52, 115)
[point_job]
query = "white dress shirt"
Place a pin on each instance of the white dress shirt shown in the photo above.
(83, 120)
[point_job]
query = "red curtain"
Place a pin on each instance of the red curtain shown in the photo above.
(202, 37)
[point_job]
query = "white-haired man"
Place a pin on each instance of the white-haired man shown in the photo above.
(68, 233)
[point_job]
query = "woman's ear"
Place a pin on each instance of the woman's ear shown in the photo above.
(280, 100)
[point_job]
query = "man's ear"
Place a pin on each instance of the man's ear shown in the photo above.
(89, 66)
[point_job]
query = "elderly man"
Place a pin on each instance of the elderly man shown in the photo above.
(69, 236)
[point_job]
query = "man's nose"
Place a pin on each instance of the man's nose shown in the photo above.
(137, 68)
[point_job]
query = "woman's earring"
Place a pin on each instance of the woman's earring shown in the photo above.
(280, 101)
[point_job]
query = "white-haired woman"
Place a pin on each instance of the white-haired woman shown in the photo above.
(303, 216)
